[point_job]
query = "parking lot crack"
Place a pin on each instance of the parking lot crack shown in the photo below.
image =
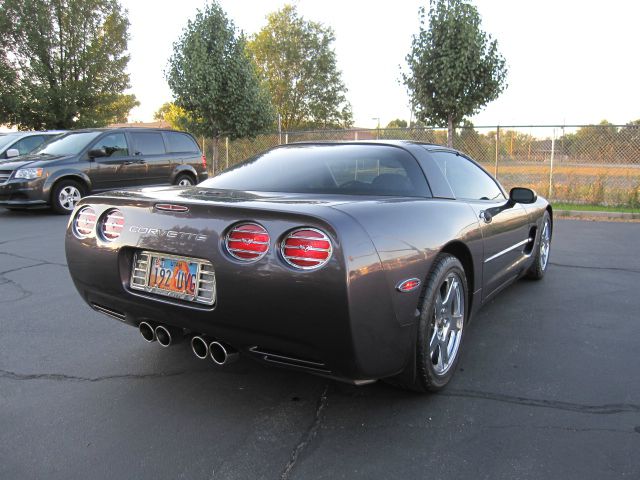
(40, 260)
(23, 292)
(308, 436)
(22, 268)
(61, 377)
(605, 409)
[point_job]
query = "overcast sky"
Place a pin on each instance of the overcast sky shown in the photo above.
(570, 62)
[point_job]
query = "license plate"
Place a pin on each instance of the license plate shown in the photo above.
(173, 275)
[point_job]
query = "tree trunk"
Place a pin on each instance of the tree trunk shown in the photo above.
(450, 131)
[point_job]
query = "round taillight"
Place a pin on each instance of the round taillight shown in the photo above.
(306, 248)
(85, 222)
(111, 225)
(248, 242)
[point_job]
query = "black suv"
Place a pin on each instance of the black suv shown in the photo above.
(86, 161)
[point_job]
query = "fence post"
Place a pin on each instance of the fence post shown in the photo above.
(495, 170)
(286, 138)
(553, 151)
(355, 135)
(226, 158)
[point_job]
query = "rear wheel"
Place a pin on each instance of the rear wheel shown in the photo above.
(541, 259)
(443, 315)
(65, 196)
(185, 180)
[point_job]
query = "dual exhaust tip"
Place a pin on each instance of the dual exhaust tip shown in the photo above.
(166, 336)
(220, 353)
(202, 346)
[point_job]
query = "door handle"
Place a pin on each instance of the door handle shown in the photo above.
(485, 216)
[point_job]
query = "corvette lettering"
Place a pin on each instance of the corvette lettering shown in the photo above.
(158, 232)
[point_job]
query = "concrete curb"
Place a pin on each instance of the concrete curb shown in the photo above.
(598, 215)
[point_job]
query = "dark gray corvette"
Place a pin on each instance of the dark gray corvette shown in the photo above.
(357, 261)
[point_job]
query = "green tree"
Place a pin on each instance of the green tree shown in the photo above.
(397, 123)
(455, 67)
(176, 117)
(296, 58)
(63, 63)
(214, 80)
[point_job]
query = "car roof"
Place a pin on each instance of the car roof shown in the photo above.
(126, 129)
(32, 132)
(396, 143)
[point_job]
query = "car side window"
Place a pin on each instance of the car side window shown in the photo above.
(115, 144)
(467, 180)
(147, 143)
(181, 143)
(28, 144)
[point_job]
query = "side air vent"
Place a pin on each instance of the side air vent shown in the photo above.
(288, 360)
(109, 312)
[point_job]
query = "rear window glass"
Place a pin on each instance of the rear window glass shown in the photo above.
(181, 142)
(334, 169)
(147, 143)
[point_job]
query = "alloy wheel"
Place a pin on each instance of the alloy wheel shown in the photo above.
(68, 197)
(447, 324)
(545, 245)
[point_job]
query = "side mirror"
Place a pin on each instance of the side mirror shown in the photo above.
(522, 195)
(97, 152)
(13, 152)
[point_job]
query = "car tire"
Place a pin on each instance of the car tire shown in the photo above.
(185, 180)
(443, 316)
(543, 250)
(65, 196)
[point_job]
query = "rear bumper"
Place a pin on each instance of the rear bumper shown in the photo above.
(328, 350)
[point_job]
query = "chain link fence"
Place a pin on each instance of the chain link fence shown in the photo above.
(579, 164)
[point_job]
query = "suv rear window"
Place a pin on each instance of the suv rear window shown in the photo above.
(180, 143)
(334, 169)
(147, 143)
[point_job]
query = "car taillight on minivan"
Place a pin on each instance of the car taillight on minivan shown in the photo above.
(204, 161)
(306, 248)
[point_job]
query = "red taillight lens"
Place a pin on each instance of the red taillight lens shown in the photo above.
(306, 248)
(204, 161)
(85, 222)
(248, 242)
(111, 225)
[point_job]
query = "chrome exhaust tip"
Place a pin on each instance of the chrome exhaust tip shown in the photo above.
(222, 354)
(167, 336)
(147, 331)
(200, 347)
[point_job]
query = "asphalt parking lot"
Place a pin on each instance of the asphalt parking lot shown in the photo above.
(549, 385)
